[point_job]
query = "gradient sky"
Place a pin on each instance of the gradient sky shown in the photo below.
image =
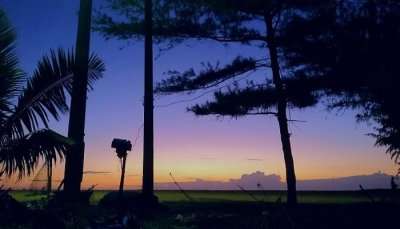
(326, 145)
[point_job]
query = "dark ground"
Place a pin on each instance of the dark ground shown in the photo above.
(380, 212)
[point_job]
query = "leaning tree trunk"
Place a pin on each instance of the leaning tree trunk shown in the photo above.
(282, 115)
(148, 131)
(76, 130)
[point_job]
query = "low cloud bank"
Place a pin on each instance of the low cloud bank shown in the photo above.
(260, 181)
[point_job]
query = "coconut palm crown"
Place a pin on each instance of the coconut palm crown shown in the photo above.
(27, 104)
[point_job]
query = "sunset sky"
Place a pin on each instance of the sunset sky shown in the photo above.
(326, 145)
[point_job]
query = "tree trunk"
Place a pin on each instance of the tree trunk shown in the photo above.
(49, 177)
(76, 130)
(282, 114)
(121, 183)
(148, 135)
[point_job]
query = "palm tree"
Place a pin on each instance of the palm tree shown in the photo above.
(76, 129)
(27, 105)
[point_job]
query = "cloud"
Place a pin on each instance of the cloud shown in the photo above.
(255, 159)
(96, 172)
(260, 181)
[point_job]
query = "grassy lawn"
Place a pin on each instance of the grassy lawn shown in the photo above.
(308, 197)
(235, 209)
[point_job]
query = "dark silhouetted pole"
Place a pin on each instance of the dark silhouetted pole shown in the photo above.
(121, 183)
(76, 130)
(148, 135)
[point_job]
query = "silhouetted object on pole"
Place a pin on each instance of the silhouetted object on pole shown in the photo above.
(393, 184)
(148, 131)
(76, 129)
(122, 147)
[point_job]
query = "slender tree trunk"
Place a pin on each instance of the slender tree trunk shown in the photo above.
(49, 177)
(121, 183)
(76, 130)
(282, 115)
(148, 135)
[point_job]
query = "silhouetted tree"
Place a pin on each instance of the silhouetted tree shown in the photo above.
(243, 22)
(148, 128)
(236, 21)
(27, 104)
(348, 51)
(76, 129)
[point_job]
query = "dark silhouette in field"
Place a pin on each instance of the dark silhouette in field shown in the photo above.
(393, 184)
(122, 147)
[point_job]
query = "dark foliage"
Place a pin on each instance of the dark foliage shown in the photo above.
(351, 57)
(254, 100)
(209, 77)
(27, 104)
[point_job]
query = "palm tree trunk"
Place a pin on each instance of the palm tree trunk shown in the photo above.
(148, 135)
(282, 115)
(76, 130)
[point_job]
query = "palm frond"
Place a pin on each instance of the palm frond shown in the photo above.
(44, 94)
(11, 77)
(22, 155)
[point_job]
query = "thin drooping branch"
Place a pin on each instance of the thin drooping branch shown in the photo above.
(212, 76)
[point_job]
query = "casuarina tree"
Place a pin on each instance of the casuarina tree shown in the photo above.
(258, 23)
(347, 51)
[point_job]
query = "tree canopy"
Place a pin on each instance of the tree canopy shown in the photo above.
(28, 103)
(351, 57)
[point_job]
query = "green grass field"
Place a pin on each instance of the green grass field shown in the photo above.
(345, 197)
(235, 209)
